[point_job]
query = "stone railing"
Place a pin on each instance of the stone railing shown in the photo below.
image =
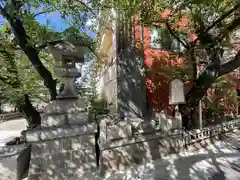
(18, 156)
(123, 143)
(9, 116)
(8, 151)
(5, 117)
(197, 135)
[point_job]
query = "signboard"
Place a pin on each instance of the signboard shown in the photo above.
(176, 92)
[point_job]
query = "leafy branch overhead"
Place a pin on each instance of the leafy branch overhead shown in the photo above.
(25, 39)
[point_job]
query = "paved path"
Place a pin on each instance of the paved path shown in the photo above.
(11, 129)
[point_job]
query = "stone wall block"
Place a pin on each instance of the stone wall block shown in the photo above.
(85, 159)
(88, 142)
(46, 147)
(36, 177)
(37, 165)
(76, 143)
(121, 158)
(52, 146)
(67, 143)
(59, 159)
(76, 118)
(115, 131)
(37, 149)
(53, 120)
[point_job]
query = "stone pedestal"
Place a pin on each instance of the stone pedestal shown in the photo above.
(58, 153)
(65, 112)
(64, 143)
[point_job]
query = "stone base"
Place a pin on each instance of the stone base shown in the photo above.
(62, 112)
(58, 153)
(122, 154)
(123, 144)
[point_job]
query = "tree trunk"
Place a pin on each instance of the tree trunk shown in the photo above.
(196, 93)
(1, 111)
(32, 53)
(32, 115)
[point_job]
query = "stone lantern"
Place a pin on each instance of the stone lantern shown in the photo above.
(66, 56)
(65, 141)
(68, 109)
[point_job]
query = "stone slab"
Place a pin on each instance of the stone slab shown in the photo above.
(58, 159)
(59, 132)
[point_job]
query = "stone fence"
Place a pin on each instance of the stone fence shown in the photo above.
(122, 144)
(9, 116)
(113, 145)
(194, 136)
(18, 157)
(8, 151)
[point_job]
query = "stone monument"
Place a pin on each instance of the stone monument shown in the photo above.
(177, 97)
(65, 142)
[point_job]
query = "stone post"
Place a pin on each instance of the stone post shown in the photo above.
(64, 145)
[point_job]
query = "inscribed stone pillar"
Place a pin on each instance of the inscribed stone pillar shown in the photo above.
(124, 82)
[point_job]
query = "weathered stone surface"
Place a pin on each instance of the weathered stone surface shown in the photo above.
(107, 85)
(53, 120)
(64, 112)
(65, 106)
(60, 158)
(76, 118)
(122, 84)
(121, 153)
(36, 176)
(46, 147)
(42, 134)
(114, 131)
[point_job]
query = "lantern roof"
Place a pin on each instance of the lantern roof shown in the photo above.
(66, 49)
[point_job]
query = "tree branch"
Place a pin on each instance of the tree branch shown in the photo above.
(231, 65)
(233, 25)
(4, 13)
(220, 19)
(43, 46)
(43, 12)
(224, 15)
(175, 36)
(30, 51)
(86, 7)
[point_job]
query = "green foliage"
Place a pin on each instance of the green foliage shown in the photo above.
(98, 107)
(18, 76)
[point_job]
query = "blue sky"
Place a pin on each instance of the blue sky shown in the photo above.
(55, 22)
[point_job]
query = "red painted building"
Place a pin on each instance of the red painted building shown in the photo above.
(162, 60)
